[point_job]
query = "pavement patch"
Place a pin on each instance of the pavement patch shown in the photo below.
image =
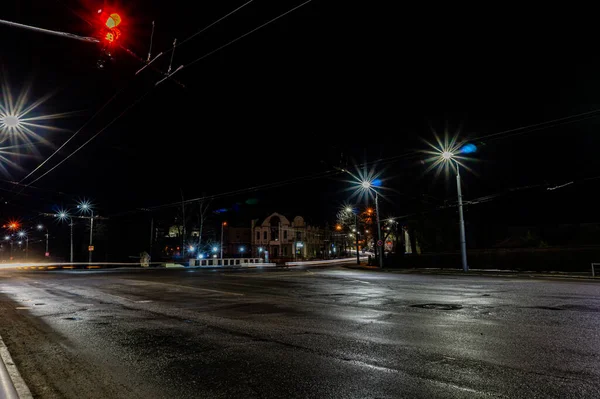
(438, 306)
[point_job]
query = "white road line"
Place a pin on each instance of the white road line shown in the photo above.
(18, 383)
(196, 288)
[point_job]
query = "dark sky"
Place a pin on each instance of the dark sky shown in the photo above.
(325, 86)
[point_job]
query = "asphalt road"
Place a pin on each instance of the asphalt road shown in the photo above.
(319, 333)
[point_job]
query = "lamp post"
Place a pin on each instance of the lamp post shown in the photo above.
(7, 238)
(222, 226)
(40, 227)
(370, 185)
(23, 234)
(85, 206)
(63, 216)
(355, 212)
(448, 156)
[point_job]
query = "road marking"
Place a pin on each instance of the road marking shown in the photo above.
(22, 307)
(145, 301)
(359, 281)
(270, 275)
(195, 288)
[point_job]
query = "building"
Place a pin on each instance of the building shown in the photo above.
(236, 242)
(284, 239)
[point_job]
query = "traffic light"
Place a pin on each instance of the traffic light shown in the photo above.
(109, 34)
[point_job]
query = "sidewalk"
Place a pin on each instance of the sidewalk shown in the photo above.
(479, 272)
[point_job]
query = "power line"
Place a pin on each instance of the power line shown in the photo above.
(95, 135)
(185, 40)
(235, 40)
(73, 136)
(235, 192)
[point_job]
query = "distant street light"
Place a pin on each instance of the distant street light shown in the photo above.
(223, 224)
(40, 227)
(354, 229)
(64, 216)
(23, 234)
(87, 207)
(370, 185)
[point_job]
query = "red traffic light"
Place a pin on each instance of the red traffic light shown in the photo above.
(113, 21)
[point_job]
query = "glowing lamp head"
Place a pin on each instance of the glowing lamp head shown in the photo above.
(447, 155)
(366, 184)
(7, 238)
(214, 249)
(21, 233)
(39, 227)
(62, 215)
(468, 149)
(11, 121)
(113, 20)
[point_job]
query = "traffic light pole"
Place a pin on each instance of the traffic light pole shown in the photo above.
(49, 32)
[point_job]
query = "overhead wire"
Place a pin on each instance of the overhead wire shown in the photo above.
(139, 99)
(73, 135)
(235, 40)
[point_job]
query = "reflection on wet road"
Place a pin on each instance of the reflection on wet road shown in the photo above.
(319, 333)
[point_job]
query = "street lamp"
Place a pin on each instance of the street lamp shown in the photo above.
(40, 227)
(87, 207)
(7, 238)
(64, 216)
(355, 229)
(370, 185)
(448, 155)
(223, 224)
(23, 234)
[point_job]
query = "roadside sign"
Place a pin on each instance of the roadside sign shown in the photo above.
(90, 248)
(379, 243)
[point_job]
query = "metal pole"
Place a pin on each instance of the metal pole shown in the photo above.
(222, 224)
(463, 240)
(71, 224)
(151, 223)
(91, 235)
(378, 231)
(46, 241)
(356, 228)
(26, 248)
(50, 32)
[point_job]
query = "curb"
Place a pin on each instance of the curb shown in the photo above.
(12, 385)
(477, 272)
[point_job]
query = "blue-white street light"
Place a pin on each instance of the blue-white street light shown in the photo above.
(449, 155)
(62, 215)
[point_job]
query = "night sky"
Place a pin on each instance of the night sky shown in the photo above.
(323, 87)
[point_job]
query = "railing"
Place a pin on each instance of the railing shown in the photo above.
(228, 262)
(323, 262)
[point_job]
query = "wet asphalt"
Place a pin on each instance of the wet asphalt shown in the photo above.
(300, 333)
